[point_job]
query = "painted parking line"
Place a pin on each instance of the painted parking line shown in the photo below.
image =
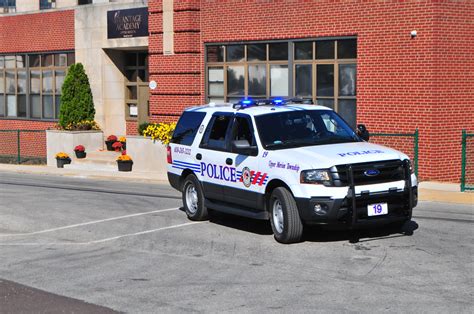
(88, 223)
(103, 240)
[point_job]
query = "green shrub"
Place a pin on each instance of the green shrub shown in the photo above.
(142, 127)
(76, 99)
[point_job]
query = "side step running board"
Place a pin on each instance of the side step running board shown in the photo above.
(245, 212)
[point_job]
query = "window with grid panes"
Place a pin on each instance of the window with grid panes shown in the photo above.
(47, 4)
(254, 70)
(325, 72)
(7, 6)
(317, 69)
(30, 84)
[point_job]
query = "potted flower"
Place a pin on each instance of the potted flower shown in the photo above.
(80, 151)
(124, 163)
(117, 146)
(62, 159)
(123, 140)
(111, 139)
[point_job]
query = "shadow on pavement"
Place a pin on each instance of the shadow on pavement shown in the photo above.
(316, 233)
(261, 227)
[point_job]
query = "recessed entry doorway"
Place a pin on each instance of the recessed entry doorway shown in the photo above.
(133, 68)
(137, 96)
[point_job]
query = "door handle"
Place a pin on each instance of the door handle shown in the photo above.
(228, 161)
(198, 156)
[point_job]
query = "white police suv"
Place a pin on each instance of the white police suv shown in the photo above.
(291, 163)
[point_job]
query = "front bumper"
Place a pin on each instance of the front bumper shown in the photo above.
(339, 211)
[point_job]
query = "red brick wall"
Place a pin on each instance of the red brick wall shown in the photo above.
(403, 83)
(453, 89)
(132, 128)
(179, 76)
(32, 144)
(51, 31)
(37, 32)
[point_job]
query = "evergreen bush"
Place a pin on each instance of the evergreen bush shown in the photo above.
(77, 104)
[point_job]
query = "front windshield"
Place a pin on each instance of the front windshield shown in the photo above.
(303, 128)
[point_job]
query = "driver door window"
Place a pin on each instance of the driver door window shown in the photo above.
(242, 130)
(215, 136)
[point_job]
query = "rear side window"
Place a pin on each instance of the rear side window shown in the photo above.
(187, 127)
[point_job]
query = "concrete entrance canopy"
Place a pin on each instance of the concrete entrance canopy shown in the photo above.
(94, 50)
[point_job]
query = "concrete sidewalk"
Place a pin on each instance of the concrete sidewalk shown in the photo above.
(428, 191)
(133, 176)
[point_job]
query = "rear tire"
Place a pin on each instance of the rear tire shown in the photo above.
(284, 216)
(193, 199)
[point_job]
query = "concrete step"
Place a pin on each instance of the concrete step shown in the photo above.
(103, 155)
(94, 161)
(92, 167)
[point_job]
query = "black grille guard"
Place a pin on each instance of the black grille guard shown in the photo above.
(352, 192)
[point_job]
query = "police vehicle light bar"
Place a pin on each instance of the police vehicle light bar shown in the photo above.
(245, 103)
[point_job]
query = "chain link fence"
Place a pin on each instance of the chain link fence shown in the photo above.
(467, 161)
(23, 146)
(404, 142)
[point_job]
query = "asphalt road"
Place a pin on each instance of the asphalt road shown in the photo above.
(127, 247)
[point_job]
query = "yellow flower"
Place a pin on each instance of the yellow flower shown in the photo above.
(122, 139)
(124, 158)
(62, 155)
(162, 132)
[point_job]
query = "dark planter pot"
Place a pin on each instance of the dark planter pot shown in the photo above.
(109, 145)
(62, 162)
(124, 145)
(80, 155)
(124, 165)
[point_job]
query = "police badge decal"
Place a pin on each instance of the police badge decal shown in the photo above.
(246, 177)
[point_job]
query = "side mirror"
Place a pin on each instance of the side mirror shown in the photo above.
(242, 147)
(363, 132)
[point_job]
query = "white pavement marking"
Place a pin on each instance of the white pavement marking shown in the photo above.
(143, 232)
(87, 223)
(102, 240)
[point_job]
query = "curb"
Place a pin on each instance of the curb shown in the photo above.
(427, 191)
(446, 196)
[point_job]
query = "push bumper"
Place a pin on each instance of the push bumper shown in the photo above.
(339, 211)
(352, 210)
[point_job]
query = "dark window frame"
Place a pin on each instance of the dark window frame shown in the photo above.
(292, 62)
(47, 4)
(26, 68)
(7, 6)
(130, 84)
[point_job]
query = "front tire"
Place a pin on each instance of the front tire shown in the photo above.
(193, 199)
(285, 219)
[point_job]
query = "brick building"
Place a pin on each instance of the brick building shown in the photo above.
(361, 58)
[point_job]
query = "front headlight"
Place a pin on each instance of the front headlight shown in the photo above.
(315, 176)
(412, 168)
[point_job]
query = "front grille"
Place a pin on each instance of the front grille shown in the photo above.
(389, 171)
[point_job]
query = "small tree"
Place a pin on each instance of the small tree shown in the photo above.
(76, 98)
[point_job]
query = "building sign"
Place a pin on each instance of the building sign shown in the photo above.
(127, 23)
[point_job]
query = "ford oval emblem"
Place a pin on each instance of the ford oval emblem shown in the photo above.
(372, 172)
